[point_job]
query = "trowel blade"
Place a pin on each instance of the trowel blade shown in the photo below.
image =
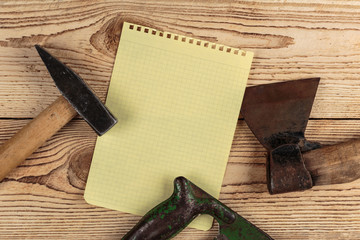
(278, 113)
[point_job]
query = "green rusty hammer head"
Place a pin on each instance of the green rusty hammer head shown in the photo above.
(186, 203)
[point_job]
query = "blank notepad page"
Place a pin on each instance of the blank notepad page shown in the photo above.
(177, 101)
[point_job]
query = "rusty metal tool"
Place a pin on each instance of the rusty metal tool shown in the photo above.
(277, 114)
(186, 203)
(76, 97)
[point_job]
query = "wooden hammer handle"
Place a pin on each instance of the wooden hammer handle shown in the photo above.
(34, 134)
(339, 163)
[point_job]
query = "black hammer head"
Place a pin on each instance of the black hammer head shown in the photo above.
(80, 96)
(277, 114)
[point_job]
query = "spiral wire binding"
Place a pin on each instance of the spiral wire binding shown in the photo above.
(187, 39)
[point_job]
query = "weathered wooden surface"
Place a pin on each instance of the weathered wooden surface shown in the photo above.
(291, 39)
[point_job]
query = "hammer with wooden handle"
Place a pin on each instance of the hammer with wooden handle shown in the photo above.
(76, 98)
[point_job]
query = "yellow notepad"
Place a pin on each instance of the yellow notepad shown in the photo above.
(177, 100)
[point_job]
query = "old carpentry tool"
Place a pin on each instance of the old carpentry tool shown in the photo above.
(187, 202)
(77, 98)
(277, 114)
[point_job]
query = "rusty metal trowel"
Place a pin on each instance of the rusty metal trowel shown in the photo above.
(77, 98)
(277, 114)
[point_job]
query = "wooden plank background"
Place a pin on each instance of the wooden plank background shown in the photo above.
(43, 199)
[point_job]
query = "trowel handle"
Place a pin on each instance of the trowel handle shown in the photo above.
(339, 163)
(34, 134)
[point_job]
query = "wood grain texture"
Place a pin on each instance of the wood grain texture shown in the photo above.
(43, 199)
(291, 39)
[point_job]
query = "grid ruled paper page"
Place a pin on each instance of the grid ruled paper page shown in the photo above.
(177, 101)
